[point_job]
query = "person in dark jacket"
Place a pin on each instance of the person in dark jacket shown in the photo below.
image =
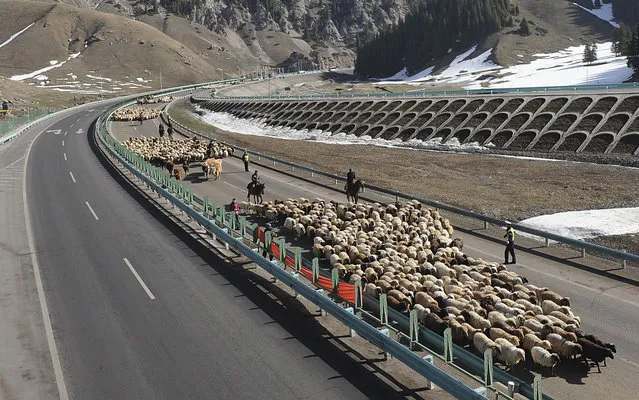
(269, 228)
(510, 244)
(161, 130)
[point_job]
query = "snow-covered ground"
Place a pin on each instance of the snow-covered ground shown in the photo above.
(605, 13)
(562, 68)
(15, 35)
(588, 224)
(229, 122)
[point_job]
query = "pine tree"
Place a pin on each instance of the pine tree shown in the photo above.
(590, 53)
(524, 29)
(597, 4)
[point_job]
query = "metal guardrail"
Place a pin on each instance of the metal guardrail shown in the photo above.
(31, 118)
(470, 92)
(623, 256)
(448, 383)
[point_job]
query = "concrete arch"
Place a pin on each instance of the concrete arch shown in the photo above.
(599, 143)
(521, 141)
(300, 125)
(391, 106)
(457, 120)
(480, 136)
(540, 121)
(512, 105)
(562, 123)
(421, 106)
(440, 119)
(455, 105)
(634, 126)
(443, 134)
(406, 133)
(292, 124)
(377, 106)
(421, 119)
(374, 131)
(320, 106)
(375, 118)
(332, 106)
(629, 105)
(614, 123)
(390, 118)
(578, 105)
(501, 138)
(406, 118)
(360, 130)
(334, 128)
(364, 106)
(362, 117)
(476, 120)
(533, 105)
(627, 144)
(473, 105)
(311, 126)
(324, 126)
(390, 133)
(496, 120)
(347, 128)
(546, 141)
(492, 105)
(305, 115)
(407, 105)
(517, 121)
(604, 104)
(572, 142)
(340, 106)
(425, 133)
(437, 106)
(462, 135)
(588, 123)
(326, 116)
(337, 116)
(554, 105)
(352, 105)
(350, 117)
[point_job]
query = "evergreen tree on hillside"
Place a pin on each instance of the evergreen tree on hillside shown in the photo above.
(590, 53)
(633, 59)
(597, 4)
(524, 28)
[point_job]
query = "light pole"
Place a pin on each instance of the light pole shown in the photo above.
(161, 87)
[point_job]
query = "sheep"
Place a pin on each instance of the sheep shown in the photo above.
(509, 353)
(496, 333)
(531, 341)
(564, 347)
(482, 343)
(595, 352)
(552, 296)
(544, 358)
(476, 320)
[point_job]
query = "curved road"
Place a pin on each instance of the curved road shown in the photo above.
(137, 314)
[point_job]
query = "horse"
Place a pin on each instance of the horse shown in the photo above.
(352, 192)
(169, 166)
(179, 174)
(257, 191)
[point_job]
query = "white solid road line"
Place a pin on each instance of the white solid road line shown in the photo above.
(65, 133)
(63, 143)
(233, 186)
(140, 281)
(48, 330)
(91, 209)
(72, 177)
(65, 156)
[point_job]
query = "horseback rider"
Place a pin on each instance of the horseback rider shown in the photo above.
(350, 179)
(255, 178)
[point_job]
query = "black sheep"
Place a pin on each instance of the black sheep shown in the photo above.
(595, 352)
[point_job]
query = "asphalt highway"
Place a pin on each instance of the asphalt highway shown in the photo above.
(138, 314)
(607, 307)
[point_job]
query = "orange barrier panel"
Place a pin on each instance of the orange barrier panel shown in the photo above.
(307, 273)
(290, 261)
(261, 235)
(346, 291)
(275, 249)
(326, 283)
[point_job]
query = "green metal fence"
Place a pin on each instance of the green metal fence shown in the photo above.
(8, 123)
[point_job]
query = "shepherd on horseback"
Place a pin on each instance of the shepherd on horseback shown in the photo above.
(352, 190)
(255, 188)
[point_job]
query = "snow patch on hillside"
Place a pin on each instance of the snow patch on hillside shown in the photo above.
(605, 13)
(15, 35)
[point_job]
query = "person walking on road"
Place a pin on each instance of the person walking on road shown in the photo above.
(245, 158)
(169, 131)
(269, 228)
(510, 244)
(235, 207)
(161, 130)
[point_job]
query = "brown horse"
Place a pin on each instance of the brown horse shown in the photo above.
(212, 164)
(257, 191)
(352, 191)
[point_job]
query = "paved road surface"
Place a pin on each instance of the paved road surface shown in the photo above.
(608, 307)
(138, 315)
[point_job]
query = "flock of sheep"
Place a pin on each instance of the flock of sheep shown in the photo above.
(135, 113)
(155, 100)
(162, 150)
(407, 252)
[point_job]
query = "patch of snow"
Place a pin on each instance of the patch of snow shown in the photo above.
(605, 13)
(15, 35)
(588, 224)
(41, 78)
(36, 73)
(53, 62)
(256, 127)
(142, 80)
(403, 76)
(99, 78)
(74, 55)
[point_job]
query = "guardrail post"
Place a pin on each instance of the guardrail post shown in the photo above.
(267, 239)
(485, 224)
(583, 252)
(537, 394)
(243, 225)
(513, 387)
(221, 213)
(448, 345)
(624, 262)
(206, 207)
(547, 242)
(335, 279)
(358, 294)
(295, 275)
(414, 328)
(488, 368)
(298, 259)
(429, 359)
(385, 331)
(315, 269)
(282, 246)
(321, 312)
(383, 309)
(350, 310)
